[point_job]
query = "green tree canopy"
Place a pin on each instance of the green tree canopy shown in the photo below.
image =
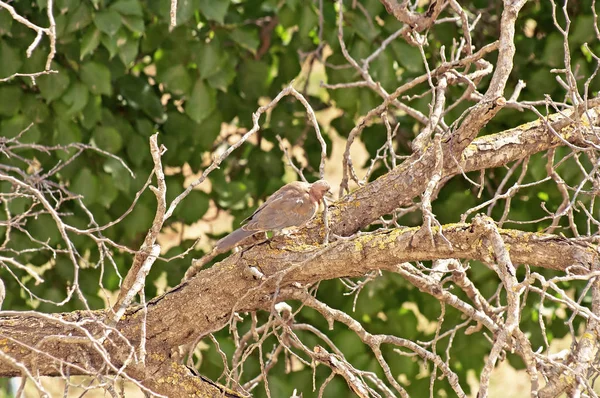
(461, 141)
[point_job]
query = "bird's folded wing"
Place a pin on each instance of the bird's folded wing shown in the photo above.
(287, 210)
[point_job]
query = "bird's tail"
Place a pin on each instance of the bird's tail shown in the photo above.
(231, 240)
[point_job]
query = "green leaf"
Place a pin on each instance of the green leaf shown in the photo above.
(266, 164)
(186, 10)
(139, 220)
(60, 109)
(108, 139)
(108, 21)
(586, 53)
(134, 144)
(214, 10)
(201, 103)
(12, 127)
(154, 37)
(253, 78)
(89, 42)
(543, 196)
(178, 122)
(289, 67)
(175, 155)
(66, 133)
(246, 37)
(11, 60)
(110, 43)
(10, 99)
(541, 82)
(66, 5)
(313, 149)
(176, 79)
(583, 30)
(108, 193)
(61, 24)
(43, 228)
(232, 195)
(85, 183)
(128, 51)
(362, 26)
(18, 205)
(80, 18)
(223, 79)
(211, 58)
(287, 16)
(121, 178)
(139, 94)
(360, 49)
(373, 7)
(92, 112)
(134, 24)
(209, 131)
(128, 7)
(408, 56)
(144, 127)
(307, 21)
(76, 97)
(34, 108)
(5, 22)
(193, 207)
(554, 50)
(96, 77)
(174, 187)
(383, 71)
(54, 85)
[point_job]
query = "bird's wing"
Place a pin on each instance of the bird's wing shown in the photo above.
(290, 208)
(273, 198)
(292, 188)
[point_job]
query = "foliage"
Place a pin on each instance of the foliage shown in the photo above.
(122, 75)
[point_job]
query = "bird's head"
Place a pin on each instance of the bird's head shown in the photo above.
(318, 189)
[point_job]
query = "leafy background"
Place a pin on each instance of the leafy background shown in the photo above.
(123, 75)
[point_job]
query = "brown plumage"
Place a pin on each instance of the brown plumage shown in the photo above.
(293, 205)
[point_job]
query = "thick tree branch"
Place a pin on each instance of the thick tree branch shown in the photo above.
(401, 185)
(205, 303)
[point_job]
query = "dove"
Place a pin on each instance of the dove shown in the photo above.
(293, 205)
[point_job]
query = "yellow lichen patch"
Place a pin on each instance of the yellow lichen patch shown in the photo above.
(157, 357)
(585, 121)
(567, 131)
(471, 148)
(568, 378)
(527, 248)
(337, 209)
(230, 266)
(364, 240)
(588, 336)
(391, 238)
(358, 246)
(300, 248)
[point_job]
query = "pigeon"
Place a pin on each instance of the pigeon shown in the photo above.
(293, 205)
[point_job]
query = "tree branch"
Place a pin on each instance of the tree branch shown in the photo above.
(205, 303)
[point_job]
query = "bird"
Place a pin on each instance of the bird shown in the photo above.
(292, 205)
